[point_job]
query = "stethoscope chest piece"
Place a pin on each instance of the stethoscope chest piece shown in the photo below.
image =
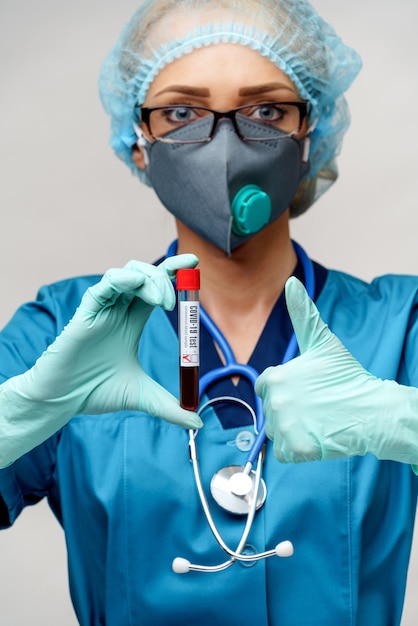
(224, 490)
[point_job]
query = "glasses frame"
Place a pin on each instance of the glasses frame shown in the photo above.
(143, 116)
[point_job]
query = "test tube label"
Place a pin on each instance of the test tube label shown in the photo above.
(189, 333)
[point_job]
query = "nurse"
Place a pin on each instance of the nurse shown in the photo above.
(234, 113)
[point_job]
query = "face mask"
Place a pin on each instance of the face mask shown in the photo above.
(226, 190)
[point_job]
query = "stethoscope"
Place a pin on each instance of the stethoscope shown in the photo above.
(238, 489)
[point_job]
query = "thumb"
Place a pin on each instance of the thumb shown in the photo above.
(310, 330)
(159, 402)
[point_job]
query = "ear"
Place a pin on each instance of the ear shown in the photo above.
(138, 157)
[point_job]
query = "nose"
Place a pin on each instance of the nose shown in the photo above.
(225, 117)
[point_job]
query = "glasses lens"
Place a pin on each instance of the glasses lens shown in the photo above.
(180, 123)
(269, 120)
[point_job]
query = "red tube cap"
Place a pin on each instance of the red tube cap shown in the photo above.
(188, 280)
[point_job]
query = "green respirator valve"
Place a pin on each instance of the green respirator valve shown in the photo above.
(251, 210)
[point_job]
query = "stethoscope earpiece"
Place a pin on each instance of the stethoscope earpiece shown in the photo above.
(180, 565)
(285, 549)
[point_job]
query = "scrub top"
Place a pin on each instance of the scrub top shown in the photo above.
(122, 484)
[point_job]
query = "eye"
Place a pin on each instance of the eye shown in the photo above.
(179, 114)
(268, 113)
(283, 116)
(165, 119)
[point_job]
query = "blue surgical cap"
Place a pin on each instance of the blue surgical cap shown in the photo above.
(288, 32)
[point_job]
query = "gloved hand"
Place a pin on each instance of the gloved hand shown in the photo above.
(92, 367)
(325, 405)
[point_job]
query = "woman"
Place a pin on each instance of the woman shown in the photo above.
(233, 112)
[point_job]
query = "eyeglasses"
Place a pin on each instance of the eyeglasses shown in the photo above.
(255, 122)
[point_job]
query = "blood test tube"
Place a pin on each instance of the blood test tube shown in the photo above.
(188, 285)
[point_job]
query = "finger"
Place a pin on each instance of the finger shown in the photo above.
(160, 403)
(113, 283)
(157, 288)
(136, 279)
(260, 383)
(178, 262)
(296, 446)
(293, 444)
(309, 328)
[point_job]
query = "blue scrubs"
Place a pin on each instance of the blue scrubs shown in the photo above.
(122, 484)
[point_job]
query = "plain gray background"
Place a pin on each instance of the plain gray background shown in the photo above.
(69, 207)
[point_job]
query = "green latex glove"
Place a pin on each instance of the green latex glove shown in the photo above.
(325, 405)
(92, 367)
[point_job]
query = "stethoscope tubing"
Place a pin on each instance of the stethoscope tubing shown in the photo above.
(233, 368)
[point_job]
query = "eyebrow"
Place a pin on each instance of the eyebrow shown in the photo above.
(202, 92)
(260, 89)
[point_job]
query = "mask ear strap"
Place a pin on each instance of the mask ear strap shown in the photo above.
(141, 142)
(306, 148)
(307, 141)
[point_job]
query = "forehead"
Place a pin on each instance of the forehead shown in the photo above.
(223, 66)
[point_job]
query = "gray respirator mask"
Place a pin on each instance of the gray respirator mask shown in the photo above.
(226, 190)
